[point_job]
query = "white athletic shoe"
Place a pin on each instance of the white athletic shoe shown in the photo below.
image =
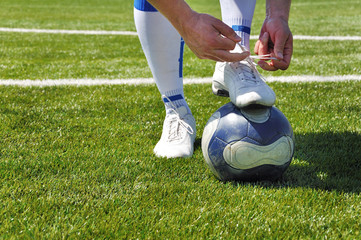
(242, 82)
(179, 133)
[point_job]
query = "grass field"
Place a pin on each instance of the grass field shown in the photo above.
(77, 162)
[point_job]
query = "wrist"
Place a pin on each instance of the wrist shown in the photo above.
(178, 12)
(184, 20)
(278, 9)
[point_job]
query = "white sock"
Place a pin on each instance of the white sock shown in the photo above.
(163, 48)
(238, 14)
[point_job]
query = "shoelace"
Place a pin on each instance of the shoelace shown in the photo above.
(265, 57)
(251, 73)
(174, 129)
(247, 71)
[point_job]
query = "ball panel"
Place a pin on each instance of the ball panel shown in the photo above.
(260, 173)
(257, 115)
(208, 133)
(215, 152)
(231, 127)
(270, 131)
(244, 155)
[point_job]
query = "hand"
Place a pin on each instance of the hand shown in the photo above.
(207, 36)
(210, 38)
(275, 39)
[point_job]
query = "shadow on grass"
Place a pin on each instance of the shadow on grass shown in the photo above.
(326, 160)
(198, 143)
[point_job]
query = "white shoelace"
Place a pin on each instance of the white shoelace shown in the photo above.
(251, 72)
(176, 123)
(248, 70)
(265, 57)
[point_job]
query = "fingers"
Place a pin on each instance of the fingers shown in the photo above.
(221, 39)
(268, 66)
(256, 47)
(282, 50)
(226, 31)
(221, 42)
(222, 55)
(220, 49)
(225, 56)
(210, 38)
(288, 50)
(285, 52)
(274, 65)
(279, 45)
(261, 47)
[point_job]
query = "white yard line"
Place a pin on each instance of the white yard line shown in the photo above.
(138, 81)
(130, 33)
(326, 38)
(59, 31)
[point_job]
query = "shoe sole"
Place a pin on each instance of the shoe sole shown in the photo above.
(224, 93)
(219, 92)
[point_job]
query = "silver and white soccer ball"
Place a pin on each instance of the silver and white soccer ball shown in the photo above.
(252, 144)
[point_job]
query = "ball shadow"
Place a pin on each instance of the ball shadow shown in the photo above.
(326, 160)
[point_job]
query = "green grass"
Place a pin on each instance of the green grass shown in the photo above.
(78, 162)
(308, 17)
(48, 56)
(68, 14)
(42, 56)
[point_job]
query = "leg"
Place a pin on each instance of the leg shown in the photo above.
(163, 48)
(238, 14)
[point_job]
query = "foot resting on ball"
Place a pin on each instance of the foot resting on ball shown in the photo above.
(242, 82)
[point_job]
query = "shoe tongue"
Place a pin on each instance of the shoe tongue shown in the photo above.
(247, 70)
(245, 62)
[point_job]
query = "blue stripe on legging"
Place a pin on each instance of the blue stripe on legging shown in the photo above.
(144, 5)
(180, 60)
(173, 98)
(241, 28)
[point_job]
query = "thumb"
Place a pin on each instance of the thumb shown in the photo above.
(279, 46)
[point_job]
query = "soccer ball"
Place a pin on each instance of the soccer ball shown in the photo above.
(250, 144)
